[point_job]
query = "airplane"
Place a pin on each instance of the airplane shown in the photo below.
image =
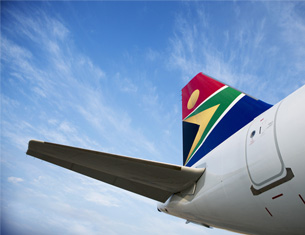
(243, 162)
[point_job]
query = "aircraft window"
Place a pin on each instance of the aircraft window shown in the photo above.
(252, 134)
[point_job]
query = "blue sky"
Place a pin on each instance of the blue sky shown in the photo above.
(108, 76)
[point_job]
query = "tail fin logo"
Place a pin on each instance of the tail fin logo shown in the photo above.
(208, 113)
(193, 99)
(212, 112)
(201, 119)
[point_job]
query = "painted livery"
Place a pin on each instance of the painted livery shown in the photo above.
(254, 178)
(243, 162)
(212, 112)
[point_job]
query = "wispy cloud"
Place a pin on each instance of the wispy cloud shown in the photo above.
(193, 49)
(14, 180)
(125, 84)
(55, 84)
(291, 21)
(53, 91)
(247, 55)
(101, 199)
(61, 95)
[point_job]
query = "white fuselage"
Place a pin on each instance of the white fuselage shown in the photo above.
(254, 181)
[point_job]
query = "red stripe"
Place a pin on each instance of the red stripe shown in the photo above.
(277, 196)
(301, 198)
(268, 211)
(206, 86)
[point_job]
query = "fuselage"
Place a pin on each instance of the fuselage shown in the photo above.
(254, 181)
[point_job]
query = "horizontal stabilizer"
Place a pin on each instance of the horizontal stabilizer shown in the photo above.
(154, 180)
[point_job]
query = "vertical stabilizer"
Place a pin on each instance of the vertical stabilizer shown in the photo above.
(211, 113)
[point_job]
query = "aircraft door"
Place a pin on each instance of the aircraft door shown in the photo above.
(264, 162)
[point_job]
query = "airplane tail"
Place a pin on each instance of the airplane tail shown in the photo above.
(211, 113)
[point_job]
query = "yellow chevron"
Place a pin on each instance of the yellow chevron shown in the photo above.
(202, 119)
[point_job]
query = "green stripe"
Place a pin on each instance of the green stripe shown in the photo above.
(224, 98)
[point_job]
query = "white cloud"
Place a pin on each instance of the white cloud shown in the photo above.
(248, 55)
(125, 84)
(64, 96)
(67, 127)
(101, 199)
(292, 22)
(10, 50)
(14, 180)
(152, 55)
(72, 85)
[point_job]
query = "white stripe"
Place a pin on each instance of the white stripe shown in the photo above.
(215, 93)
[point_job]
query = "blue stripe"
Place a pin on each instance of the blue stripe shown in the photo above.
(243, 112)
